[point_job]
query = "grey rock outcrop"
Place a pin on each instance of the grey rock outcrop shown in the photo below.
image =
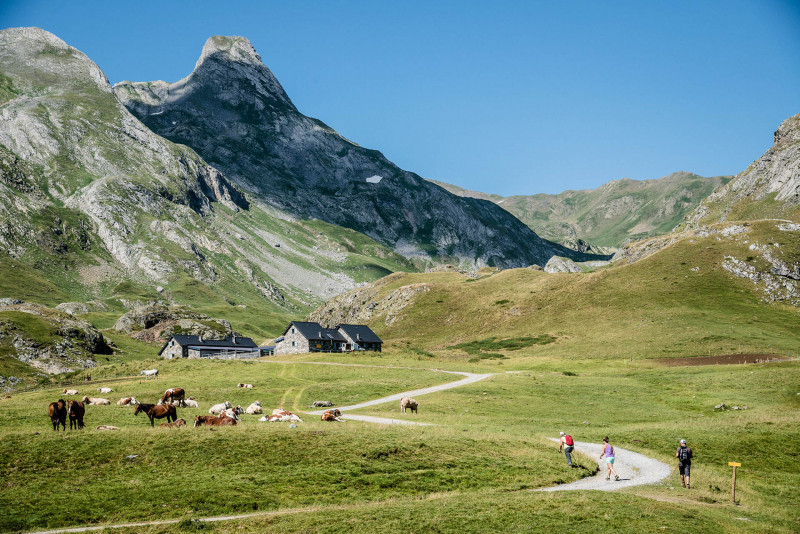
(233, 111)
(561, 265)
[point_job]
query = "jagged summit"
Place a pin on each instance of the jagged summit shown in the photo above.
(234, 48)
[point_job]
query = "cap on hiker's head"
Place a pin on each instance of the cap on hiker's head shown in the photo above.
(563, 434)
(683, 442)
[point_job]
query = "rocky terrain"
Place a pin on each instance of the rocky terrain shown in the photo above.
(48, 340)
(604, 219)
(233, 111)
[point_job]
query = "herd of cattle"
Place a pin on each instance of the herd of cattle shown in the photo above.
(223, 414)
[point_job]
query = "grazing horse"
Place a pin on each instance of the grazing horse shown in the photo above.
(210, 420)
(155, 411)
(172, 394)
(76, 412)
(58, 414)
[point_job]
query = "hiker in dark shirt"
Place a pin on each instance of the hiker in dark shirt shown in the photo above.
(684, 456)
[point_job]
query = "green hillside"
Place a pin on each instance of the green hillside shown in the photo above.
(611, 215)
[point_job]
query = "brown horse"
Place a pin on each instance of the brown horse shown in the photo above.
(155, 411)
(58, 414)
(76, 411)
(210, 420)
(172, 394)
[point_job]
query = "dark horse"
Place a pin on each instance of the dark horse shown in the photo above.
(156, 411)
(76, 411)
(58, 414)
(172, 394)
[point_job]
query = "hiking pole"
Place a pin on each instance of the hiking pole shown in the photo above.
(733, 484)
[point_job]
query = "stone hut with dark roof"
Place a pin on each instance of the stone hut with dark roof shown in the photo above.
(180, 346)
(302, 337)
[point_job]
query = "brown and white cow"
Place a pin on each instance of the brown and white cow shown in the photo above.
(332, 415)
(408, 403)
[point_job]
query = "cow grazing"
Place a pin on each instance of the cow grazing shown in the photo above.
(105, 390)
(76, 412)
(254, 408)
(155, 411)
(70, 392)
(322, 404)
(246, 386)
(175, 424)
(408, 403)
(218, 408)
(332, 415)
(210, 420)
(173, 394)
(58, 414)
(149, 373)
(95, 401)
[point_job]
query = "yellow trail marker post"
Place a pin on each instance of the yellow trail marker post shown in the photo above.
(733, 484)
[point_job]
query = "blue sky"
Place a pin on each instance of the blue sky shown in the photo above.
(499, 96)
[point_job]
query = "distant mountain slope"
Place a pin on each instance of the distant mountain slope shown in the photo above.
(611, 215)
(769, 188)
(234, 113)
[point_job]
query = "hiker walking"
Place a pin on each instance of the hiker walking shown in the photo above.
(684, 455)
(568, 445)
(608, 453)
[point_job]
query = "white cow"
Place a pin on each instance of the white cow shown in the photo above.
(247, 386)
(105, 390)
(149, 373)
(254, 408)
(95, 401)
(70, 392)
(219, 408)
(190, 403)
(230, 412)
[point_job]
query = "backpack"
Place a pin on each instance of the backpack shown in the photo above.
(683, 454)
(568, 440)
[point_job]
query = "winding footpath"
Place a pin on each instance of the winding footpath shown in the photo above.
(633, 468)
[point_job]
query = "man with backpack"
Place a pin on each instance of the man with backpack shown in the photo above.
(568, 445)
(684, 456)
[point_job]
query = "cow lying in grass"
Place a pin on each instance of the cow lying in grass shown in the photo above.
(281, 416)
(95, 401)
(254, 408)
(210, 420)
(175, 424)
(332, 415)
(219, 408)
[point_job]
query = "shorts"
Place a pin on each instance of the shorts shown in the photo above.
(610, 460)
(684, 469)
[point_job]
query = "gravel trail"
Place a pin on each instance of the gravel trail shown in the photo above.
(634, 469)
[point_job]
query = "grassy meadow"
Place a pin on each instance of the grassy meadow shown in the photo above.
(470, 472)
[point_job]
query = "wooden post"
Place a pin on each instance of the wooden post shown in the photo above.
(733, 483)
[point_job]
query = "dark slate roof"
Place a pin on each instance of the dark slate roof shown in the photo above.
(355, 330)
(315, 332)
(227, 343)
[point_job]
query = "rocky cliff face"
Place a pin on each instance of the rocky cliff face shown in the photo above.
(234, 113)
(603, 219)
(769, 188)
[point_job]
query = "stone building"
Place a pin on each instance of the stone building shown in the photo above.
(197, 347)
(302, 337)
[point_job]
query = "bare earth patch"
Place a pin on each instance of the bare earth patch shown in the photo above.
(726, 359)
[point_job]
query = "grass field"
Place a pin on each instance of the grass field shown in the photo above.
(471, 472)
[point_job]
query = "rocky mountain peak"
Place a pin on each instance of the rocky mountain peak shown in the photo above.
(788, 131)
(233, 48)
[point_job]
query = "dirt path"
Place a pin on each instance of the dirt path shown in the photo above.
(634, 469)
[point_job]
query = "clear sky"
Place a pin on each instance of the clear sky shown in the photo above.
(507, 97)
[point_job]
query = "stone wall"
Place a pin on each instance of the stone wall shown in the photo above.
(293, 343)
